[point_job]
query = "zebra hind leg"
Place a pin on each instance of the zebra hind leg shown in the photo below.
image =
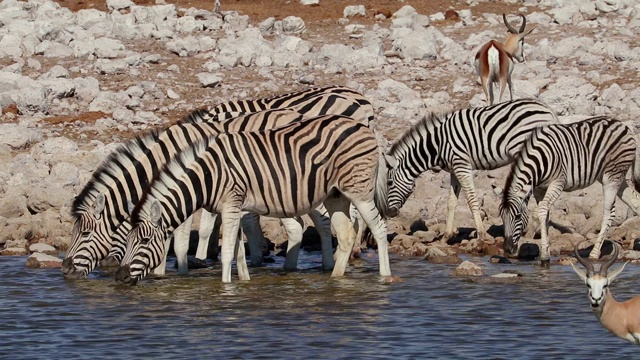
(322, 222)
(338, 208)
(610, 189)
(293, 227)
(253, 231)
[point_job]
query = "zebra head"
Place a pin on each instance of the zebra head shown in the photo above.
(90, 241)
(145, 246)
(399, 185)
(514, 213)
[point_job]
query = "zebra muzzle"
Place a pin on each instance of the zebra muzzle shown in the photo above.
(123, 275)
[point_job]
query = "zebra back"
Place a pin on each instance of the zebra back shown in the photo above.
(292, 99)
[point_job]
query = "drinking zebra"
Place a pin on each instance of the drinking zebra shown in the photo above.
(282, 172)
(568, 157)
(459, 142)
(102, 208)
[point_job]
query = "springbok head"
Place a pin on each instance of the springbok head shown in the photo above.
(515, 39)
(597, 281)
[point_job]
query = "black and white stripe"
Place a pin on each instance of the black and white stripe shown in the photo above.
(282, 172)
(567, 157)
(102, 208)
(459, 142)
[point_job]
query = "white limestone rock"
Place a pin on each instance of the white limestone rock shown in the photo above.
(354, 10)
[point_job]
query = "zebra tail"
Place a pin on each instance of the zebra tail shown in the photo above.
(381, 191)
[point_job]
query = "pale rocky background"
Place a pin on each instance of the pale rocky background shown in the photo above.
(75, 83)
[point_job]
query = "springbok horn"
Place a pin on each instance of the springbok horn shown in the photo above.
(511, 29)
(524, 23)
(587, 265)
(609, 260)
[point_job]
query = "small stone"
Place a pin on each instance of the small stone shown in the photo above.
(393, 279)
(506, 275)
(636, 244)
(567, 261)
(310, 2)
(172, 95)
(451, 15)
(209, 80)
(495, 259)
(43, 261)
(14, 251)
(467, 268)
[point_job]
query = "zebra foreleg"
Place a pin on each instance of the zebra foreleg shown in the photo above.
(181, 245)
(253, 231)
(452, 202)
(465, 178)
(294, 227)
(241, 258)
(610, 189)
(207, 223)
(230, 227)
(553, 192)
(320, 218)
(338, 208)
(378, 227)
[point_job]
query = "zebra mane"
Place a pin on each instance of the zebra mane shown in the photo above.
(197, 116)
(166, 177)
(111, 168)
(427, 124)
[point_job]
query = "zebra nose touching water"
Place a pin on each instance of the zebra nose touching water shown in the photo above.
(282, 172)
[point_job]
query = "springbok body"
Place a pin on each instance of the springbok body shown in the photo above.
(282, 172)
(459, 142)
(494, 61)
(102, 208)
(620, 318)
(568, 157)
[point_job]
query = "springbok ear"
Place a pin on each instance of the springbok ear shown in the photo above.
(580, 273)
(613, 274)
(391, 161)
(98, 205)
(156, 212)
(527, 33)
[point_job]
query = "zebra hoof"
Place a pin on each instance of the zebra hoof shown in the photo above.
(545, 264)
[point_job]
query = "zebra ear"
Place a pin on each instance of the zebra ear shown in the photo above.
(391, 161)
(98, 205)
(156, 212)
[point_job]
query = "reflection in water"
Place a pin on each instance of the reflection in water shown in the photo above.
(306, 314)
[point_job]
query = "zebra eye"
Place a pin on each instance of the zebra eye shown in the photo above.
(145, 240)
(86, 233)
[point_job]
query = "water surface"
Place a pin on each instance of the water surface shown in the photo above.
(307, 314)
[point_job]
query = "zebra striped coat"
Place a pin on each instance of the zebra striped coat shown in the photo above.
(103, 205)
(482, 138)
(568, 157)
(282, 172)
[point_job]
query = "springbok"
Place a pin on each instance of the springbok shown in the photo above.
(620, 318)
(494, 60)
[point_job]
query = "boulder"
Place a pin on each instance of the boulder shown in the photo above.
(43, 261)
(467, 268)
(43, 248)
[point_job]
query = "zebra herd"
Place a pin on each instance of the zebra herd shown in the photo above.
(313, 152)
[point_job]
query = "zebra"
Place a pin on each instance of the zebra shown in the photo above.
(459, 142)
(568, 157)
(105, 202)
(281, 172)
